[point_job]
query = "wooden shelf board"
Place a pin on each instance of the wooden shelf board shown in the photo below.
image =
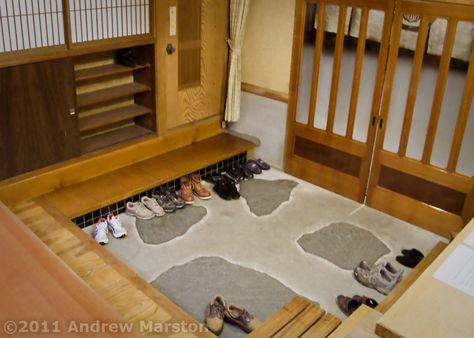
(112, 116)
(112, 138)
(111, 93)
(142, 176)
(107, 70)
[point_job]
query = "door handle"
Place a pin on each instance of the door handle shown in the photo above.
(170, 49)
(72, 112)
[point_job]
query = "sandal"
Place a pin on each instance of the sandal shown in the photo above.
(263, 165)
(253, 167)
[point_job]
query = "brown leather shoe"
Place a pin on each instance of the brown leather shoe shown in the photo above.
(241, 317)
(186, 191)
(198, 189)
(215, 312)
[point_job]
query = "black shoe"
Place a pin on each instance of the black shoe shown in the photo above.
(130, 57)
(234, 193)
(237, 173)
(247, 173)
(137, 57)
(222, 190)
(412, 253)
(408, 261)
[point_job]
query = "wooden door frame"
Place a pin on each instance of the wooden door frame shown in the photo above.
(342, 183)
(422, 214)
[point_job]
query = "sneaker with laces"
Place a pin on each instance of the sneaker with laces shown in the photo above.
(114, 225)
(163, 200)
(198, 189)
(376, 278)
(174, 197)
(100, 232)
(186, 191)
(138, 210)
(153, 205)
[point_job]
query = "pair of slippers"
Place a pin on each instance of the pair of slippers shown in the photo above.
(410, 258)
(256, 166)
(348, 305)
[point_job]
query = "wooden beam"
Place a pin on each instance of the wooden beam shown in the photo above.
(265, 92)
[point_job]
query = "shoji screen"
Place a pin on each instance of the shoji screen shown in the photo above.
(106, 19)
(28, 24)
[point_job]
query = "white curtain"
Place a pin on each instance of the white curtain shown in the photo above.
(238, 16)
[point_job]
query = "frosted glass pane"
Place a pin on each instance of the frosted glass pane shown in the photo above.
(448, 117)
(324, 83)
(368, 75)
(345, 86)
(304, 89)
(398, 103)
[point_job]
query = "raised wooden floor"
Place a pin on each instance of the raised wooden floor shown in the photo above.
(299, 318)
(132, 297)
(90, 195)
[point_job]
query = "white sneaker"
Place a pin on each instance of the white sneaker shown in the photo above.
(118, 231)
(100, 232)
(153, 205)
(138, 210)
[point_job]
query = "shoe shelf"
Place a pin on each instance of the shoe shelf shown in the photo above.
(109, 94)
(112, 116)
(115, 103)
(105, 70)
(114, 137)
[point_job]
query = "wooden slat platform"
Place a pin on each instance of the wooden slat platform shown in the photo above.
(141, 176)
(400, 289)
(133, 298)
(299, 318)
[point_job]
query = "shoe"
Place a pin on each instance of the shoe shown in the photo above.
(248, 174)
(241, 317)
(173, 196)
(229, 176)
(163, 200)
(153, 205)
(131, 58)
(391, 271)
(263, 165)
(222, 190)
(253, 167)
(100, 232)
(138, 57)
(348, 305)
(118, 231)
(201, 192)
(186, 192)
(377, 279)
(237, 173)
(408, 261)
(138, 210)
(215, 312)
(413, 253)
(234, 193)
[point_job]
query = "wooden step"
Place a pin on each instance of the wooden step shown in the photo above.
(112, 138)
(106, 70)
(140, 176)
(299, 318)
(398, 291)
(112, 116)
(111, 93)
(360, 324)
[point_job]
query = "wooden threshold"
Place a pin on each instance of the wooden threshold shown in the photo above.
(112, 116)
(132, 297)
(106, 70)
(112, 93)
(127, 181)
(114, 137)
(360, 324)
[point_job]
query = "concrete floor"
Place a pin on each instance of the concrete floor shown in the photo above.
(269, 245)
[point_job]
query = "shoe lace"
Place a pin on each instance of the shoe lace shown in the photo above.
(186, 186)
(114, 222)
(101, 226)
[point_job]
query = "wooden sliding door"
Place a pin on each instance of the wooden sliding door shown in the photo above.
(335, 92)
(424, 159)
